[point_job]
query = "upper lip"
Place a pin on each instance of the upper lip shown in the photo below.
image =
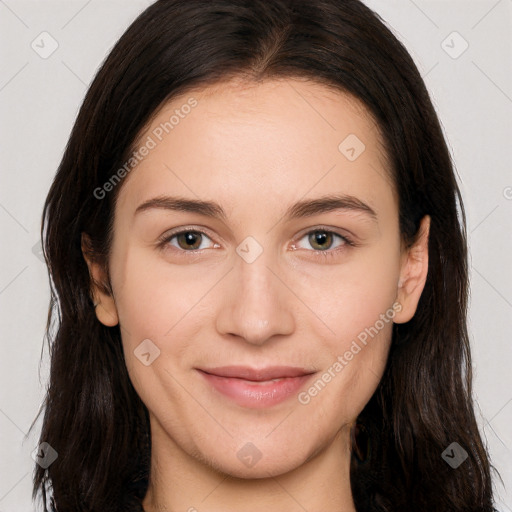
(261, 374)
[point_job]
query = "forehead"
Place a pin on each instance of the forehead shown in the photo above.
(278, 137)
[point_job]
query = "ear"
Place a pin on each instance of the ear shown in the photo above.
(105, 307)
(413, 273)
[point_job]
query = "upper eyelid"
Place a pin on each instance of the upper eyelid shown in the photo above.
(327, 229)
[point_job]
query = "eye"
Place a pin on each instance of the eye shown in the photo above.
(191, 240)
(186, 240)
(323, 241)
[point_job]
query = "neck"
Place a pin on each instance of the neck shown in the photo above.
(182, 482)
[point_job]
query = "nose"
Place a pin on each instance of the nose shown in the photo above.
(256, 303)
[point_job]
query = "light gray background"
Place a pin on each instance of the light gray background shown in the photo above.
(39, 100)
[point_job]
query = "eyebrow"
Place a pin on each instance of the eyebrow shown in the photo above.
(299, 210)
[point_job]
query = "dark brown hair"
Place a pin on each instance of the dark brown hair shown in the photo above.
(94, 418)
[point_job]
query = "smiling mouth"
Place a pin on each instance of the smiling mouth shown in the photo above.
(256, 388)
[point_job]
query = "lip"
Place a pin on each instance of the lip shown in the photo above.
(255, 388)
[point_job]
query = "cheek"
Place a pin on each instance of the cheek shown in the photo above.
(352, 368)
(155, 298)
(358, 307)
(352, 296)
(167, 305)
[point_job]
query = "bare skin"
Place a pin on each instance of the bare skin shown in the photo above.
(256, 149)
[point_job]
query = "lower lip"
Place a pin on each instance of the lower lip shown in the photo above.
(253, 394)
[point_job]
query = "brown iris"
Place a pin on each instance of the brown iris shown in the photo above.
(189, 240)
(320, 237)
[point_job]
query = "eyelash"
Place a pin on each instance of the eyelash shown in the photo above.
(327, 254)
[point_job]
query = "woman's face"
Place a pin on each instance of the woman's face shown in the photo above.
(291, 271)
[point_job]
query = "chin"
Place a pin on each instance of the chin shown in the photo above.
(262, 469)
(250, 463)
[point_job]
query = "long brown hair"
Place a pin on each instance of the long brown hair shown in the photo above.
(94, 418)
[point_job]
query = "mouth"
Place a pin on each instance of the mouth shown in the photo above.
(256, 388)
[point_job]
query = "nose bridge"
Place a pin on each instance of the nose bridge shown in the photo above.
(257, 305)
(256, 283)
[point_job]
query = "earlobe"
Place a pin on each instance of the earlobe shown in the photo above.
(106, 313)
(104, 304)
(413, 273)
